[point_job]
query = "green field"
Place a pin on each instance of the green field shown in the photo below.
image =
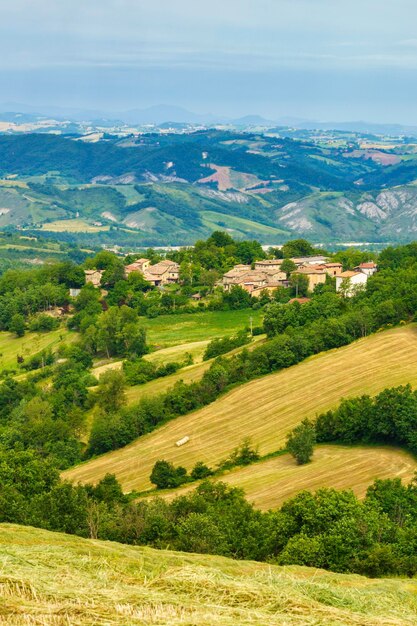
(72, 226)
(240, 225)
(30, 343)
(265, 409)
(52, 579)
(171, 330)
(269, 483)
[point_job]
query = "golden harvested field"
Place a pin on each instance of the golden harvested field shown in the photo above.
(265, 409)
(269, 483)
(72, 226)
(52, 579)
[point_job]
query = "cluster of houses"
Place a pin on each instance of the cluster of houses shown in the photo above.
(268, 275)
(262, 276)
(162, 273)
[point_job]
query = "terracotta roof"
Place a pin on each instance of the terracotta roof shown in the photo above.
(369, 265)
(348, 274)
(162, 268)
(332, 265)
(252, 276)
(140, 261)
(310, 270)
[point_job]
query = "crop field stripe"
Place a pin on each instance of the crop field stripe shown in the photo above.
(269, 483)
(265, 409)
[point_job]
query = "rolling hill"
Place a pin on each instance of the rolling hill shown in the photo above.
(264, 409)
(269, 483)
(51, 579)
(175, 188)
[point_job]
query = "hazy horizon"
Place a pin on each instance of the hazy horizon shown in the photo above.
(275, 58)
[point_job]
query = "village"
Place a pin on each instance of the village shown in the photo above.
(258, 278)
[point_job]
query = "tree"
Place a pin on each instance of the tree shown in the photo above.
(200, 470)
(301, 440)
(111, 391)
(288, 267)
(165, 476)
(298, 247)
(17, 325)
(299, 284)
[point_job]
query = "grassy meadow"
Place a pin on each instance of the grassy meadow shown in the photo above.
(72, 226)
(182, 328)
(31, 343)
(52, 579)
(265, 409)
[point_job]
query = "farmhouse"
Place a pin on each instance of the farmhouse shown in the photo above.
(333, 269)
(309, 260)
(272, 264)
(140, 265)
(351, 281)
(269, 288)
(94, 277)
(162, 273)
(367, 268)
(315, 273)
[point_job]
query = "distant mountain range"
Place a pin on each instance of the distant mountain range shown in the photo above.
(163, 114)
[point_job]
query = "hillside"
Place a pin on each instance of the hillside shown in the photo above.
(53, 579)
(174, 188)
(265, 409)
(268, 484)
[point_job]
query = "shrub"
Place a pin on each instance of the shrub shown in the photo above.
(200, 470)
(165, 476)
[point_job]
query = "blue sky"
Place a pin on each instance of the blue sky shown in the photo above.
(322, 59)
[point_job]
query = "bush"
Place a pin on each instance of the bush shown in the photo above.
(200, 471)
(219, 346)
(43, 323)
(165, 476)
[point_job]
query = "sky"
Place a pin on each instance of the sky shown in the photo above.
(328, 60)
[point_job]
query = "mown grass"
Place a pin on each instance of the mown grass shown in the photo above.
(31, 343)
(52, 579)
(269, 483)
(265, 409)
(72, 226)
(181, 328)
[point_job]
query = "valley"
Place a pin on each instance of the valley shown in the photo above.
(171, 189)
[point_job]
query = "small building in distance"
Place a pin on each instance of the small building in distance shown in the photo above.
(162, 273)
(354, 280)
(315, 273)
(309, 260)
(367, 268)
(140, 265)
(333, 269)
(94, 277)
(271, 264)
(74, 292)
(270, 288)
